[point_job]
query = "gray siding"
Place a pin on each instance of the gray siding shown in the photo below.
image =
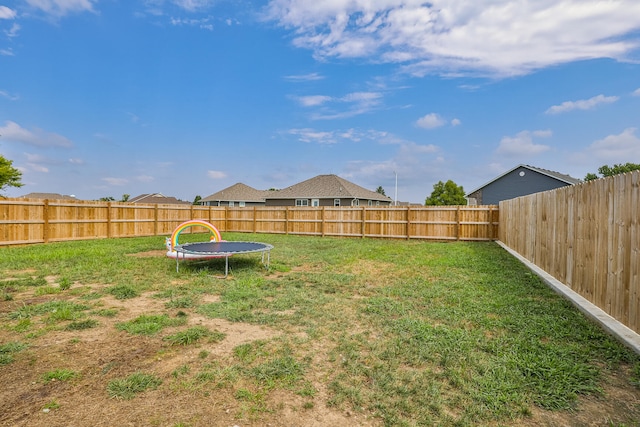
(513, 185)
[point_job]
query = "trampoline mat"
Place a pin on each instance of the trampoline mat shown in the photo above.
(223, 248)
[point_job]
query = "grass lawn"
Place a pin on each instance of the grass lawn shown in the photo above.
(337, 332)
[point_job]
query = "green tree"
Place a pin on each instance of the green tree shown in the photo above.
(197, 199)
(616, 169)
(107, 199)
(446, 193)
(380, 190)
(9, 176)
(125, 197)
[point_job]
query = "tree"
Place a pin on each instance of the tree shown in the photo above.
(606, 170)
(380, 190)
(448, 193)
(197, 199)
(107, 199)
(125, 197)
(9, 176)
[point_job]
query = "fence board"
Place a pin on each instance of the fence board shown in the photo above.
(24, 221)
(587, 237)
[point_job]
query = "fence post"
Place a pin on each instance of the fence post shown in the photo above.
(45, 226)
(108, 220)
(408, 222)
(322, 216)
(458, 223)
(255, 220)
(155, 220)
(364, 221)
(286, 220)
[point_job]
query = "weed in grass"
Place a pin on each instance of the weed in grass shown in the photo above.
(123, 292)
(149, 324)
(127, 388)
(181, 302)
(64, 283)
(193, 335)
(106, 312)
(47, 290)
(82, 324)
(203, 354)
(60, 375)
(249, 352)
(57, 310)
(53, 405)
(23, 325)
(182, 370)
(7, 296)
(284, 370)
(8, 350)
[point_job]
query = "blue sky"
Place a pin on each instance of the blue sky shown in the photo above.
(187, 97)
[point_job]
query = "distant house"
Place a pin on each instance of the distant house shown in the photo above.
(157, 198)
(50, 196)
(238, 195)
(325, 190)
(519, 181)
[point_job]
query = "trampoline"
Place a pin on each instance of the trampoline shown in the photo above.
(222, 249)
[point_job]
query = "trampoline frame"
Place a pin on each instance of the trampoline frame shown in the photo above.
(191, 249)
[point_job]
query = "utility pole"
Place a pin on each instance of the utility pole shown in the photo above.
(396, 195)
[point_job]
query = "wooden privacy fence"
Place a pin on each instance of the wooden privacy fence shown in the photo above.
(587, 236)
(25, 221)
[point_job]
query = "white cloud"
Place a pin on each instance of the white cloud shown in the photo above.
(6, 13)
(116, 181)
(456, 122)
(193, 5)
(583, 104)
(202, 23)
(13, 31)
(487, 37)
(14, 132)
(522, 144)
(76, 161)
(636, 92)
(8, 96)
(430, 121)
(6, 52)
(617, 148)
(144, 178)
(313, 100)
(62, 7)
(216, 174)
(304, 77)
(357, 103)
(311, 135)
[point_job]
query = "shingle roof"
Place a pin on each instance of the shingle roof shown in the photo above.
(327, 187)
(50, 196)
(237, 193)
(157, 198)
(556, 175)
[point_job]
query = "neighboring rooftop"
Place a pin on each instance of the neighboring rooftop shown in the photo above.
(158, 198)
(50, 196)
(327, 186)
(238, 193)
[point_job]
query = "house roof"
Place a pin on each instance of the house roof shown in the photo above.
(326, 187)
(237, 193)
(158, 198)
(50, 196)
(555, 175)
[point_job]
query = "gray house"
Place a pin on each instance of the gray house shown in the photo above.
(325, 190)
(238, 195)
(519, 181)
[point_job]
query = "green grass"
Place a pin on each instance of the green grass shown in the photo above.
(8, 350)
(408, 332)
(60, 375)
(127, 388)
(149, 324)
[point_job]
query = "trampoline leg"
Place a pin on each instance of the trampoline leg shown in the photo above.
(226, 266)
